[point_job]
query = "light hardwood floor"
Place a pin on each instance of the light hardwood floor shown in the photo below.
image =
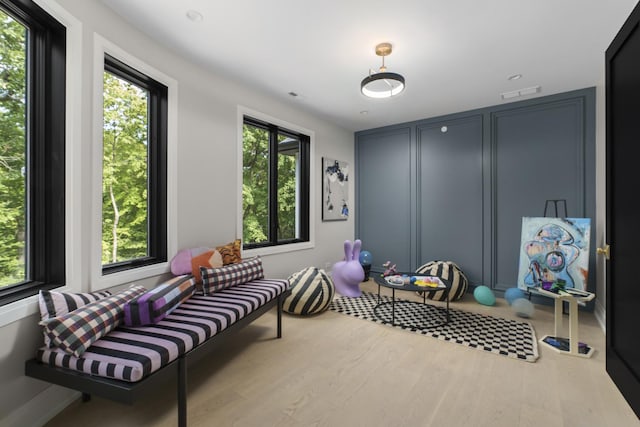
(336, 370)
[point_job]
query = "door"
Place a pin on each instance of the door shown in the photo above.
(623, 231)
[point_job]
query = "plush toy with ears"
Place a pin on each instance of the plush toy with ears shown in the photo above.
(348, 274)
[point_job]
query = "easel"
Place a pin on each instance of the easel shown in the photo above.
(555, 205)
(570, 346)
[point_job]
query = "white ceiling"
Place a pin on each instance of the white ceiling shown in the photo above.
(455, 55)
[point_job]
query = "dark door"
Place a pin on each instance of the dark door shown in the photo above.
(623, 225)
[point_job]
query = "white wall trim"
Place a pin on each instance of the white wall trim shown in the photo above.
(98, 280)
(42, 408)
(601, 315)
(245, 111)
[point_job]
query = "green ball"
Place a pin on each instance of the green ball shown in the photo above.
(484, 295)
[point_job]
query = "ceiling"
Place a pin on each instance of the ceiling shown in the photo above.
(454, 55)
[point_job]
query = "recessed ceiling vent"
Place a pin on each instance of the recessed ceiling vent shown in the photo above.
(521, 92)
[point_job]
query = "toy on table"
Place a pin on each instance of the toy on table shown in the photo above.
(555, 287)
(390, 269)
(427, 281)
(404, 279)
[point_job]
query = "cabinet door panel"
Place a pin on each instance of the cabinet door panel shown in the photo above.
(450, 209)
(539, 155)
(384, 196)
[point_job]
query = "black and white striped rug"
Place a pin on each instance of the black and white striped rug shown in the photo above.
(505, 337)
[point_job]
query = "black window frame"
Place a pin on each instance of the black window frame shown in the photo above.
(45, 176)
(156, 165)
(304, 183)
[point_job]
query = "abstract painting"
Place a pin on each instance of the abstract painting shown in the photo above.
(335, 190)
(554, 250)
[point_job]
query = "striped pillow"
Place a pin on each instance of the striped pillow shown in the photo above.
(216, 279)
(74, 332)
(54, 304)
(157, 303)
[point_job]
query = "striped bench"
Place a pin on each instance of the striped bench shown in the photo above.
(131, 361)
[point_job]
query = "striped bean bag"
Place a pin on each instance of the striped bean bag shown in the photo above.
(311, 292)
(132, 353)
(447, 270)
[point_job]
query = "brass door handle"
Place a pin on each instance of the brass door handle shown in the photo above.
(606, 251)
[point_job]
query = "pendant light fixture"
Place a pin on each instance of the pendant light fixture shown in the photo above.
(382, 84)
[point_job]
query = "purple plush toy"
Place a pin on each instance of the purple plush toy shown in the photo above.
(348, 274)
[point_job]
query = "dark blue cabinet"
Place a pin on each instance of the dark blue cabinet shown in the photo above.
(539, 154)
(456, 187)
(385, 169)
(450, 196)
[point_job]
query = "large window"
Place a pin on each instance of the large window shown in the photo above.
(275, 185)
(134, 169)
(32, 116)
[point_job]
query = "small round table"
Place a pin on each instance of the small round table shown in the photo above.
(379, 309)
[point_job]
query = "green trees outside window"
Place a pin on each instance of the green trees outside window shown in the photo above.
(134, 168)
(13, 145)
(275, 185)
(32, 150)
(124, 171)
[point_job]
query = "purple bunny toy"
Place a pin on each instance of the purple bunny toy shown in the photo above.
(348, 274)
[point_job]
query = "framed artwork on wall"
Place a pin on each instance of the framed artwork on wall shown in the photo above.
(335, 190)
(554, 250)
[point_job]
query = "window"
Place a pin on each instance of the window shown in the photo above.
(32, 142)
(134, 169)
(275, 185)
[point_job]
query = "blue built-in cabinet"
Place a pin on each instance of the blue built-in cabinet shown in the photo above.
(456, 187)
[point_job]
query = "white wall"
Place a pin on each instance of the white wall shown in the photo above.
(207, 186)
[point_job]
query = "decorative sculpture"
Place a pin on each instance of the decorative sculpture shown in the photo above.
(348, 274)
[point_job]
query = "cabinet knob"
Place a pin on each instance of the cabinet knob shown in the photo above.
(606, 251)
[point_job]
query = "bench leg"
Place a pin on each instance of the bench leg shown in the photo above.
(280, 304)
(182, 392)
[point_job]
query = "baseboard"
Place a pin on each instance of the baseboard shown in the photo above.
(42, 408)
(601, 315)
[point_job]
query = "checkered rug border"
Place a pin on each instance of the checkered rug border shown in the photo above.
(504, 337)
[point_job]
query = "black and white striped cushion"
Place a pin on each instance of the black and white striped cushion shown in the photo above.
(311, 292)
(131, 353)
(447, 270)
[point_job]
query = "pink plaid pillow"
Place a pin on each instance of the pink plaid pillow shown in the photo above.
(74, 332)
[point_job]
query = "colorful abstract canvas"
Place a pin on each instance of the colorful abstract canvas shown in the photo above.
(554, 250)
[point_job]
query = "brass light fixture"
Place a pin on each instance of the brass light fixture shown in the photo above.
(382, 84)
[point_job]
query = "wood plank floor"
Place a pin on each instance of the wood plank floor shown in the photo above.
(336, 370)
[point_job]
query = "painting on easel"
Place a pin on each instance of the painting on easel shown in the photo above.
(554, 251)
